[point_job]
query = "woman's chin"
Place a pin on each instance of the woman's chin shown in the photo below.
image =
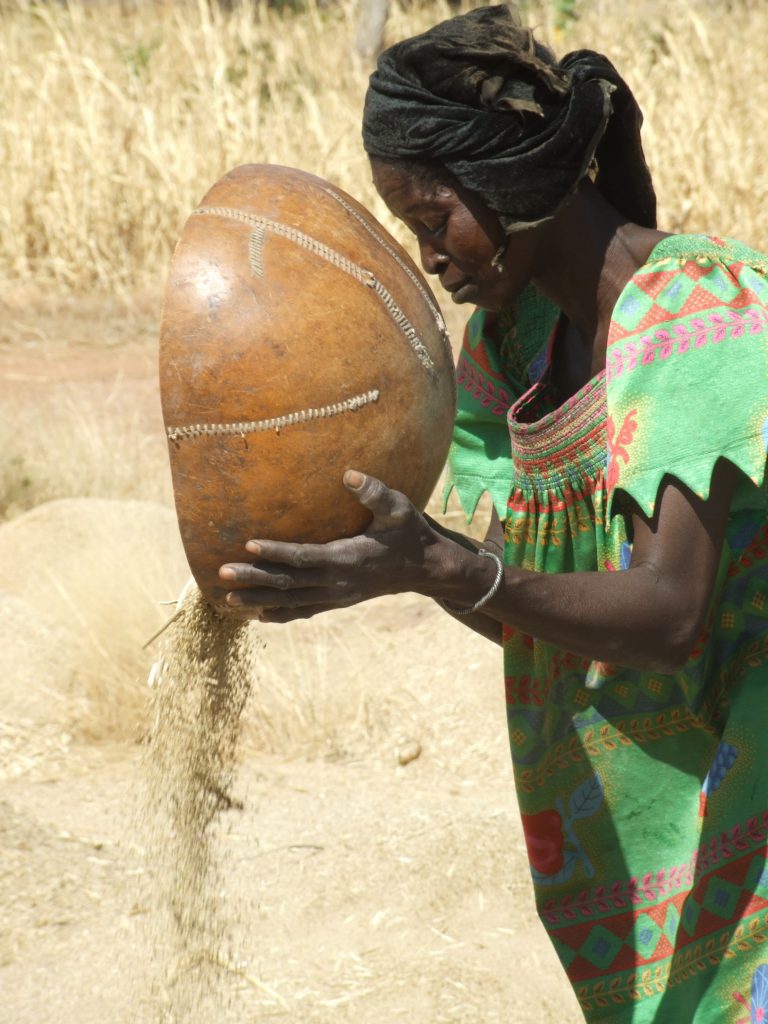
(490, 303)
(485, 296)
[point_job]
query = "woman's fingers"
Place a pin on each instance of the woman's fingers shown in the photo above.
(268, 597)
(246, 575)
(275, 586)
(390, 508)
(282, 615)
(298, 556)
(298, 580)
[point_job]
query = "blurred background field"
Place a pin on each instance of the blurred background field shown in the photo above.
(376, 736)
(115, 120)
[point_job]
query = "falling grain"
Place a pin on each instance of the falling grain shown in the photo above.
(201, 684)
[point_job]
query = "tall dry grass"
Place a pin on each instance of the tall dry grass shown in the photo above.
(698, 70)
(115, 121)
(113, 126)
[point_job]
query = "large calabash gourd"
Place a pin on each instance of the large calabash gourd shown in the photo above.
(298, 340)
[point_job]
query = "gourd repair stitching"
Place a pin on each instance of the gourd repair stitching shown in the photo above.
(255, 245)
(176, 434)
(256, 251)
(388, 248)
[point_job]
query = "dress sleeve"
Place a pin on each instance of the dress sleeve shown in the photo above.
(687, 375)
(499, 358)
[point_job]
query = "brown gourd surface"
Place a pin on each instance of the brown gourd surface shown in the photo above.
(298, 340)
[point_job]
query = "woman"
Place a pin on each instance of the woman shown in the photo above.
(628, 368)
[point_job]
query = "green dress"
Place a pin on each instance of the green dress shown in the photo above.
(644, 796)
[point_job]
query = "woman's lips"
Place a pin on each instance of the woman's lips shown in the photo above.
(465, 292)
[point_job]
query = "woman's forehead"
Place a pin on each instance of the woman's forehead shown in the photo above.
(405, 186)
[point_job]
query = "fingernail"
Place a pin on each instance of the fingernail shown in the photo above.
(225, 573)
(354, 479)
(254, 547)
(234, 600)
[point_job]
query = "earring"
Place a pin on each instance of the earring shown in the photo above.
(498, 260)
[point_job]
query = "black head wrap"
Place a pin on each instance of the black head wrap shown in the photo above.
(481, 97)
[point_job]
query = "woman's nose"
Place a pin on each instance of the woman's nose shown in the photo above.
(431, 260)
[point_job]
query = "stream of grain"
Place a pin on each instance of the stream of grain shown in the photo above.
(201, 683)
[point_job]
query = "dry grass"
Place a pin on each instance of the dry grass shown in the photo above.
(353, 684)
(700, 80)
(92, 573)
(155, 104)
(114, 124)
(158, 105)
(81, 445)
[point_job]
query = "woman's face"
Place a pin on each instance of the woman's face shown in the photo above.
(458, 237)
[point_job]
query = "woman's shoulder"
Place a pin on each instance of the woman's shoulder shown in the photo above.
(703, 249)
(685, 369)
(689, 276)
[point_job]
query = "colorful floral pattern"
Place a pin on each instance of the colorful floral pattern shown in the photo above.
(618, 443)
(544, 841)
(551, 836)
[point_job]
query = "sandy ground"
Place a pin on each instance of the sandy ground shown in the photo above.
(357, 888)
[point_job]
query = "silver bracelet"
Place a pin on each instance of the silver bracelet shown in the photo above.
(486, 597)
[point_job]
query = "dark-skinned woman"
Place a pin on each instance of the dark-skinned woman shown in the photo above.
(613, 401)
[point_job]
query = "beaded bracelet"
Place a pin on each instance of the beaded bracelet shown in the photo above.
(486, 597)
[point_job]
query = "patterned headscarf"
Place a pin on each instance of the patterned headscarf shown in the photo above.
(481, 97)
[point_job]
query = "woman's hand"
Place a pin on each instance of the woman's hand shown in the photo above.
(400, 551)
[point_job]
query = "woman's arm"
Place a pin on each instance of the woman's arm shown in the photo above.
(479, 622)
(646, 617)
(649, 616)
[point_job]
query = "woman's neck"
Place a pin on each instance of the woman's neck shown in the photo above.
(592, 255)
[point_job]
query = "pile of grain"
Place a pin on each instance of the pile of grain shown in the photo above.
(201, 684)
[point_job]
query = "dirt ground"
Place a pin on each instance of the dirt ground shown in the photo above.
(357, 887)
